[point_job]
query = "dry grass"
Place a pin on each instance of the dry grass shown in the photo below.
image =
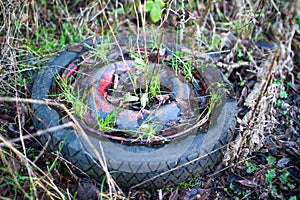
(32, 31)
(260, 119)
(23, 24)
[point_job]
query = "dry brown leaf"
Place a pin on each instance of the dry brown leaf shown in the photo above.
(248, 183)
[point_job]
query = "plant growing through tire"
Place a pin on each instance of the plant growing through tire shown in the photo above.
(146, 92)
(136, 159)
(70, 96)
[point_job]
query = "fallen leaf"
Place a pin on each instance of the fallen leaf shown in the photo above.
(162, 98)
(247, 183)
(283, 162)
(130, 98)
(116, 81)
(87, 190)
(174, 195)
(189, 193)
(144, 100)
(204, 194)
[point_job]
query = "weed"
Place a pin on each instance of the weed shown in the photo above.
(147, 131)
(130, 98)
(101, 51)
(270, 175)
(30, 150)
(242, 83)
(274, 190)
(293, 198)
(155, 86)
(155, 8)
(240, 53)
(139, 61)
(179, 65)
(231, 186)
(151, 75)
(284, 177)
(52, 38)
(216, 43)
(298, 75)
(46, 38)
(107, 123)
(283, 94)
(271, 160)
(291, 186)
(251, 167)
(13, 175)
(71, 96)
(215, 97)
(47, 162)
(70, 34)
(2, 128)
(191, 183)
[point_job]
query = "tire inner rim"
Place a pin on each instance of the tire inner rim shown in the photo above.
(104, 88)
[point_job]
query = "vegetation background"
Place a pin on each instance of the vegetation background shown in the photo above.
(257, 46)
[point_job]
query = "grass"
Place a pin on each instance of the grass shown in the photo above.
(151, 77)
(101, 51)
(32, 31)
(108, 123)
(147, 131)
(71, 97)
(154, 87)
(26, 180)
(181, 66)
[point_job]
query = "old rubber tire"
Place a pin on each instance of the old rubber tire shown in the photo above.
(130, 165)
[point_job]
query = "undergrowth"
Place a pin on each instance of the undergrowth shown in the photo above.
(231, 33)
